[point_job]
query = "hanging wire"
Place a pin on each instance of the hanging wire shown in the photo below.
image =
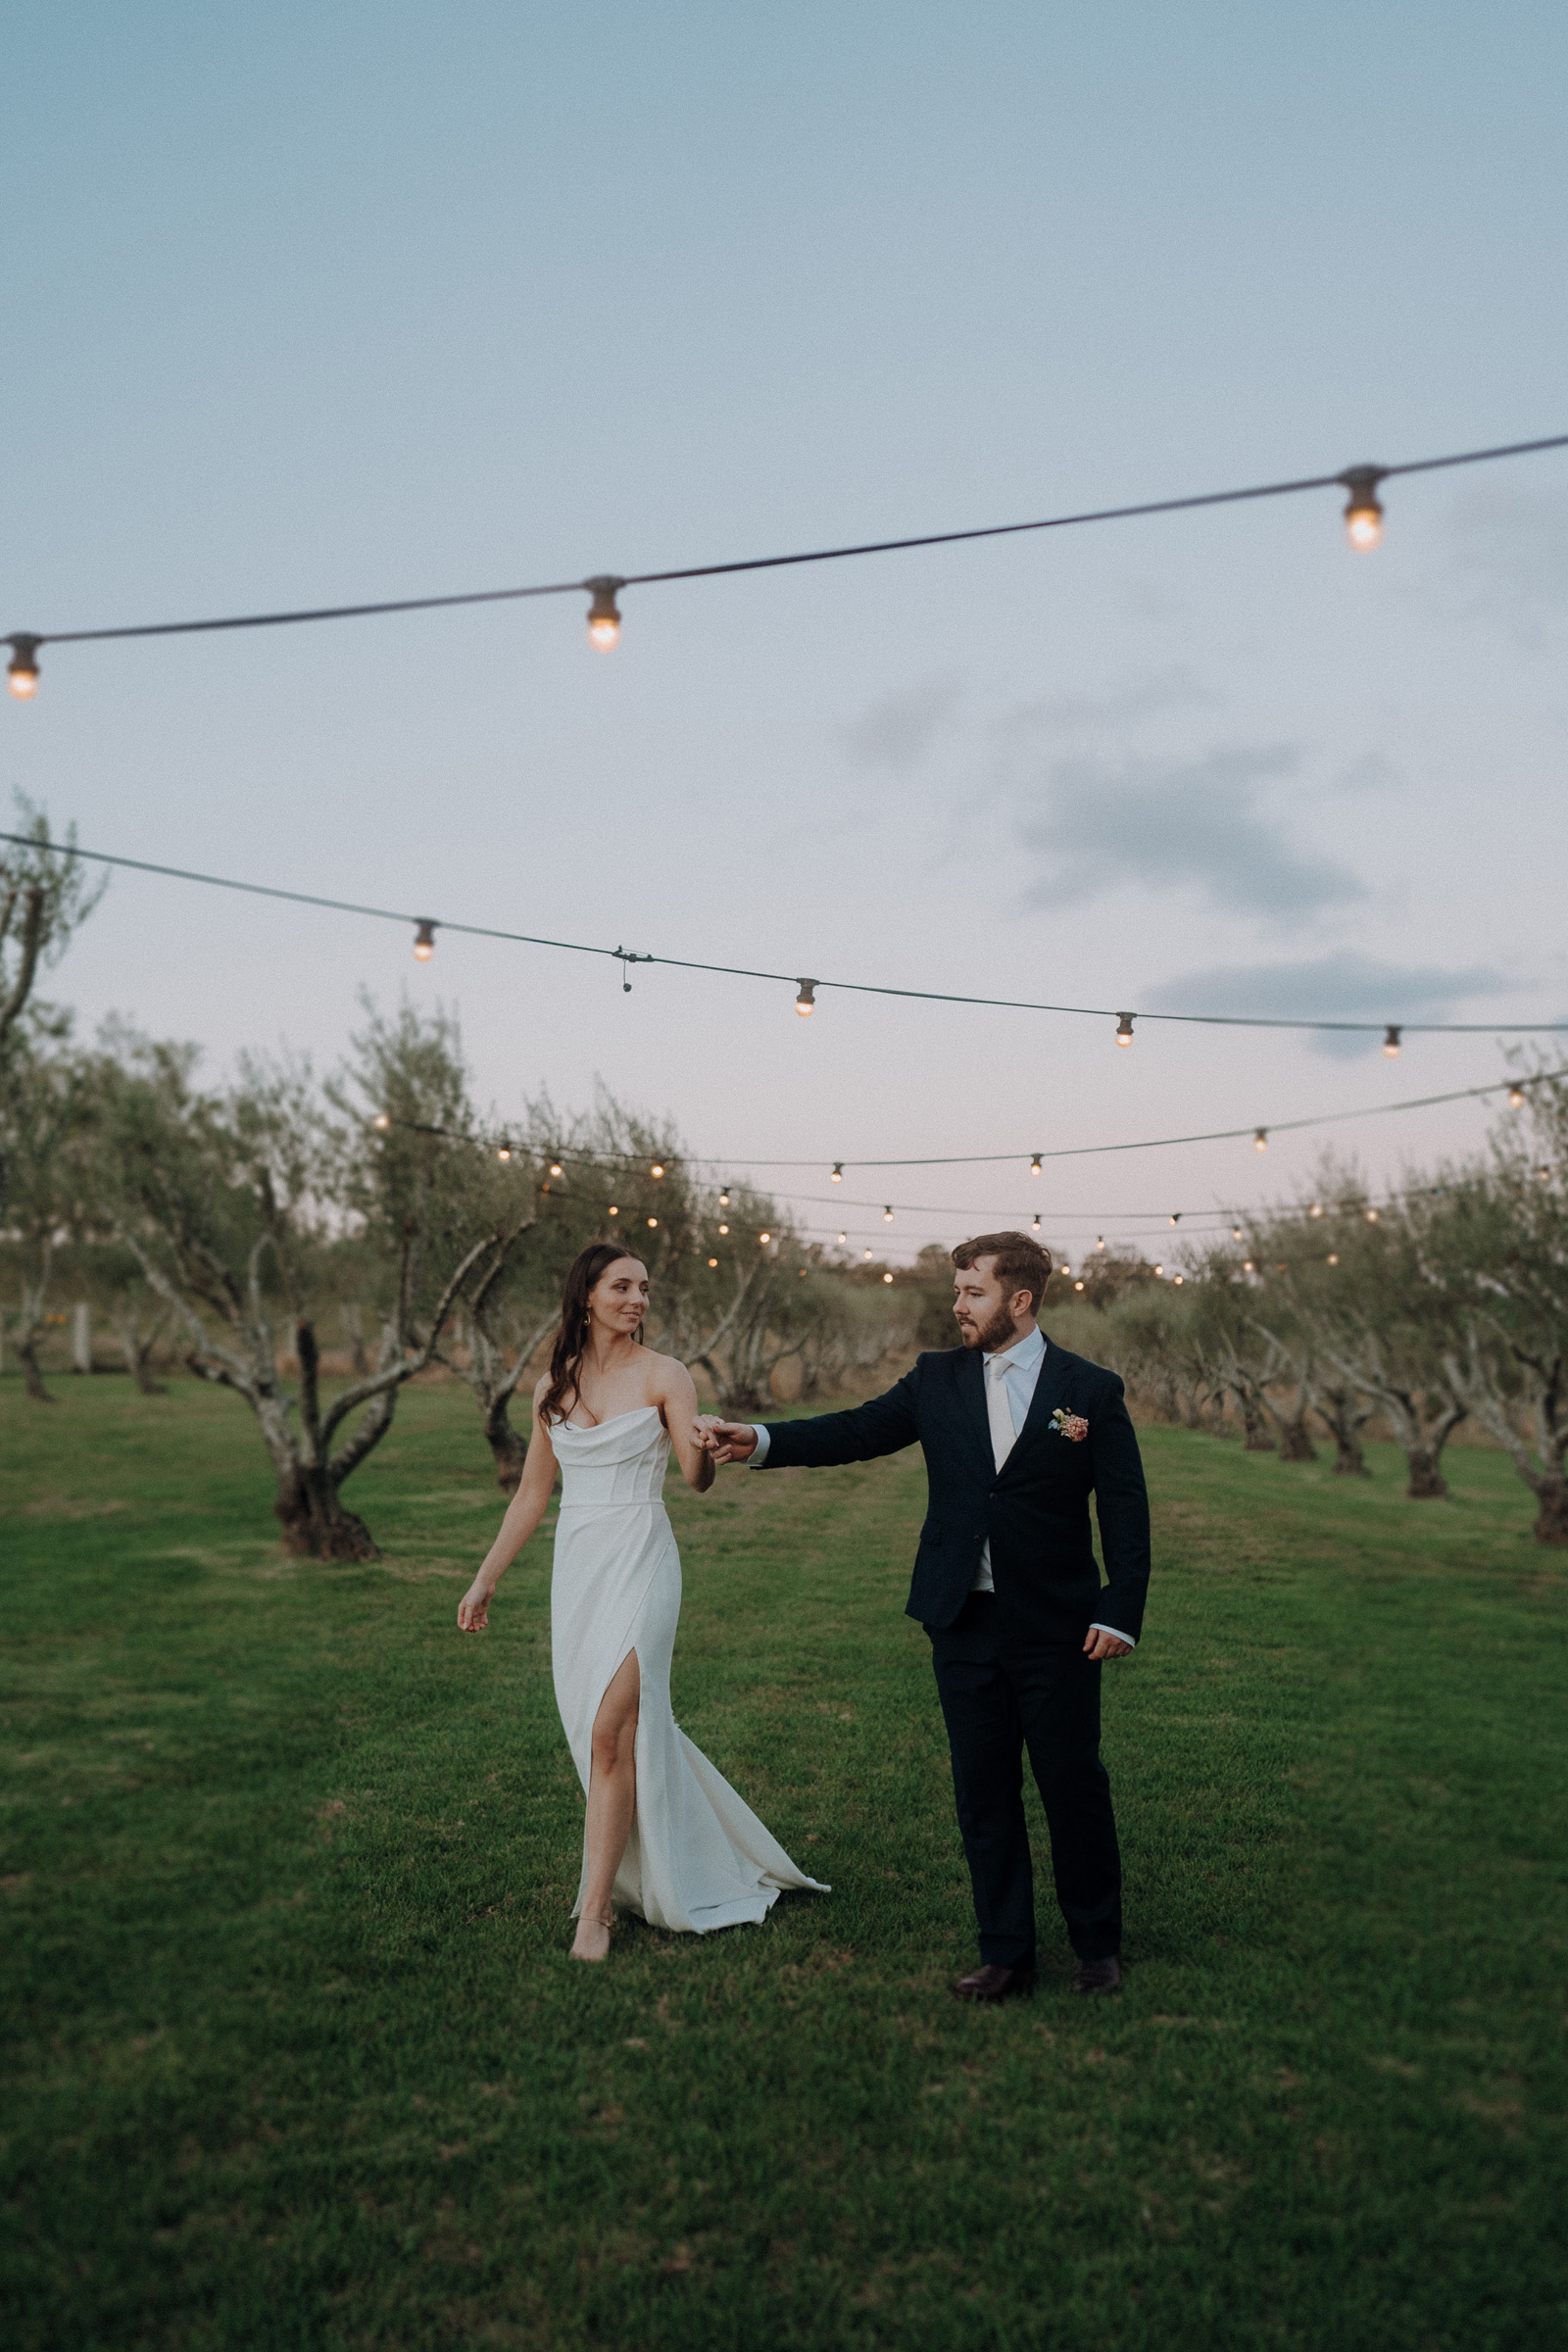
(597, 584)
(626, 957)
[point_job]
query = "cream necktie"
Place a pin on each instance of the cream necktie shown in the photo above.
(999, 1409)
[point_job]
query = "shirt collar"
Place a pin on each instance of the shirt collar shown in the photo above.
(1023, 1357)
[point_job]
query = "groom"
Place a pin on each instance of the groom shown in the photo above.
(1015, 1434)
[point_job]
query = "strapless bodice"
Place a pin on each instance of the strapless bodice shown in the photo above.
(620, 1462)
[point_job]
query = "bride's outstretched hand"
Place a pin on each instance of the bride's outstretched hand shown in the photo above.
(473, 1610)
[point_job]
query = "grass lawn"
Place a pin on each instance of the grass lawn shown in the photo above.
(296, 2058)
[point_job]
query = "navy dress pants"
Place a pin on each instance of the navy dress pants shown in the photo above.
(999, 1698)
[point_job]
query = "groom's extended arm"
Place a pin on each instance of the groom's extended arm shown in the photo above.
(1121, 1505)
(884, 1426)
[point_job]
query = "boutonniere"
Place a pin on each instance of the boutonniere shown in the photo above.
(1070, 1425)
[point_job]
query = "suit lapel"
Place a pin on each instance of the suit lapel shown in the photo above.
(1050, 1390)
(971, 1375)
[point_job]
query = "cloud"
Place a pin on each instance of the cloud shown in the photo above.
(1175, 689)
(1172, 824)
(1342, 987)
(898, 732)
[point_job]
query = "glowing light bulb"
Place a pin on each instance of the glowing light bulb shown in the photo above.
(503, 1153)
(1034, 1165)
(1236, 1233)
(836, 1176)
(1035, 1225)
(724, 1199)
(887, 1216)
(1316, 1209)
(1124, 1029)
(1077, 1286)
(1099, 1241)
(424, 943)
(844, 1237)
(22, 675)
(1176, 1216)
(886, 1278)
(604, 614)
(1246, 1266)
(613, 1210)
(658, 1169)
(1178, 1279)
(713, 1262)
(1333, 1257)
(723, 1229)
(1363, 516)
(1067, 1270)
(868, 1255)
(1159, 1269)
(381, 1122)
(652, 1222)
(555, 1168)
(805, 1002)
(1260, 1140)
(765, 1236)
(1371, 1216)
(1516, 1095)
(1391, 1043)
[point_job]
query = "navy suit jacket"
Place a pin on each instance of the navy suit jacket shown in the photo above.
(1035, 1510)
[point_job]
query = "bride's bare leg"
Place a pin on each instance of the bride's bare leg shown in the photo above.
(611, 1804)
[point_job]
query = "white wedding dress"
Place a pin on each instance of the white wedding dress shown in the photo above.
(698, 1857)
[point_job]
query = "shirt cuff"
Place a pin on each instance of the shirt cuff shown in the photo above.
(763, 1442)
(1116, 1630)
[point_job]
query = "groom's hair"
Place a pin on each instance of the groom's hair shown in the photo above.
(1021, 1264)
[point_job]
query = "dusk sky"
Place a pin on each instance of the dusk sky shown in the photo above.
(334, 303)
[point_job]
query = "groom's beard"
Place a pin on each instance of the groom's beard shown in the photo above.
(992, 1335)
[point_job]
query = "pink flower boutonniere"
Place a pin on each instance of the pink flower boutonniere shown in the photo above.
(1070, 1425)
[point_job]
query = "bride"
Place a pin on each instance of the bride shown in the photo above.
(665, 1835)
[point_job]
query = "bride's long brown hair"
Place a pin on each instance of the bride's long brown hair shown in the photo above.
(565, 1357)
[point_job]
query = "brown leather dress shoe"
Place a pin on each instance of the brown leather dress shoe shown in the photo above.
(993, 1983)
(1099, 1976)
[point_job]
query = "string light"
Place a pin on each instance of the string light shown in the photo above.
(1124, 1029)
(836, 1176)
(1178, 1279)
(924, 996)
(724, 1199)
(1333, 1257)
(1363, 514)
(1246, 1266)
(723, 1229)
(805, 1002)
(1034, 1165)
(1159, 1269)
(868, 1255)
(382, 1122)
(658, 1169)
(1391, 1043)
(844, 1237)
(1371, 1216)
(1236, 1233)
(713, 1262)
(604, 614)
(423, 942)
(504, 1152)
(613, 1210)
(1175, 1216)
(555, 1168)
(1035, 1227)
(1260, 1140)
(23, 673)
(652, 1222)
(886, 1277)
(1316, 1209)
(887, 1216)
(1516, 1095)
(1077, 1286)
(1099, 1241)
(765, 1236)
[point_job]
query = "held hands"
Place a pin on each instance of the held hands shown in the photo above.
(1098, 1644)
(725, 1440)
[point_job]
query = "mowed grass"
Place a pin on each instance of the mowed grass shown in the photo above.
(296, 2058)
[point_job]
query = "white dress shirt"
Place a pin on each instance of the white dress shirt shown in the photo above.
(1016, 1371)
